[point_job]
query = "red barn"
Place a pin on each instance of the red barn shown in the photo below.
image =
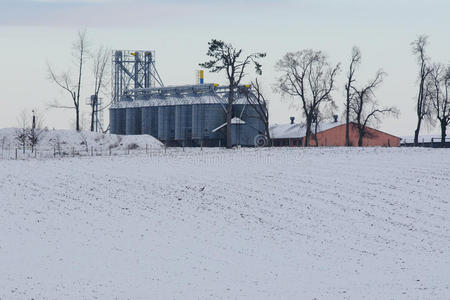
(330, 134)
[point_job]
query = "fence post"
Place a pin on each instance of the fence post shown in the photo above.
(146, 148)
(16, 153)
(92, 151)
(73, 151)
(109, 151)
(54, 152)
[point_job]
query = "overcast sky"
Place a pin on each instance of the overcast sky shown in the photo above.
(34, 32)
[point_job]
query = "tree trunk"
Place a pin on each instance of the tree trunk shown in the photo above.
(443, 133)
(360, 138)
(229, 116)
(347, 131)
(347, 124)
(77, 112)
(93, 114)
(315, 134)
(416, 132)
(269, 140)
(308, 132)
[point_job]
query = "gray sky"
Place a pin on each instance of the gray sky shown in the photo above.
(32, 32)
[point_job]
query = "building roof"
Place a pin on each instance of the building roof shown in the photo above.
(181, 95)
(182, 100)
(234, 121)
(290, 131)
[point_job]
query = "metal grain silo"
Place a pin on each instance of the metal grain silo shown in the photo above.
(150, 120)
(183, 122)
(254, 126)
(113, 121)
(252, 118)
(117, 120)
(238, 110)
(166, 123)
(205, 118)
(133, 120)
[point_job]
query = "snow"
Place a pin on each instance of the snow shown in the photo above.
(266, 223)
(68, 139)
(235, 121)
(297, 130)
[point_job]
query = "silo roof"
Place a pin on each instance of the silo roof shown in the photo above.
(169, 101)
(180, 95)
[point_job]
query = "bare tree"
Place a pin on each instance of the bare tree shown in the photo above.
(34, 134)
(317, 119)
(440, 78)
(355, 61)
(100, 62)
(3, 141)
(307, 74)
(365, 108)
(324, 114)
(65, 80)
(259, 104)
(423, 104)
(225, 57)
(21, 133)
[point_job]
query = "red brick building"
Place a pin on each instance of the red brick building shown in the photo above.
(330, 134)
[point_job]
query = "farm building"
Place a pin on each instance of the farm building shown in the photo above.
(187, 115)
(329, 134)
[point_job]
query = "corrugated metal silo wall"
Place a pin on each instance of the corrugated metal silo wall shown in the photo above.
(122, 120)
(238, 109)
(253, 119)
(183, 122)
(198, 111)
(117, 120)
(113, 121)
(150, 121)
(246, 133)
(166, 123)
(205, 118)
(133, 120)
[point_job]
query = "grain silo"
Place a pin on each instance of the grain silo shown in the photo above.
(150, 120)
(166, 123)
(133, 123)
(176, 115)
(183, 122)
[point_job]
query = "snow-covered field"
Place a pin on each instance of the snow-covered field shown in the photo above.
(328, 223)
(71, 142)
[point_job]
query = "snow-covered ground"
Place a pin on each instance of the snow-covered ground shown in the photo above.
(328, 223)
(68, 141)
